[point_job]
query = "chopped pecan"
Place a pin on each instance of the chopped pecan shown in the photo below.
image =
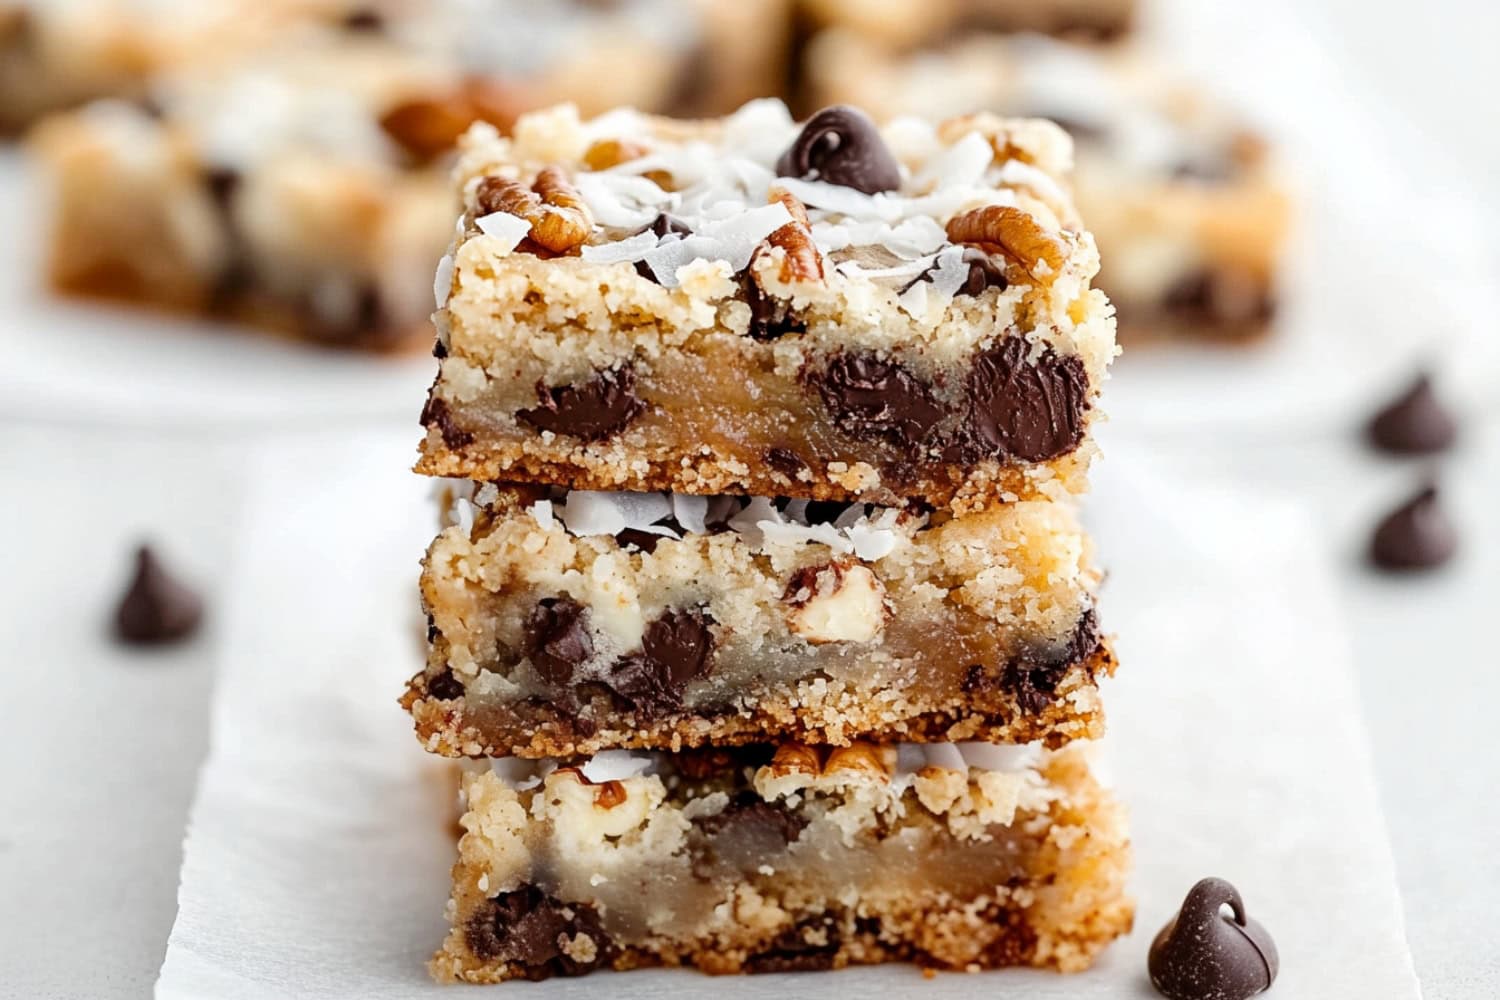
(560, 220)
(608, 153)
(794, 758)
(857, 758)
(1014, 233)
(610, 794)
(802, 261)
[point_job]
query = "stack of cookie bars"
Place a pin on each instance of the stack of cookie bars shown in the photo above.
(763, 595)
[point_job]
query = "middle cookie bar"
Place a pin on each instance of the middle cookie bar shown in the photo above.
(567, 623)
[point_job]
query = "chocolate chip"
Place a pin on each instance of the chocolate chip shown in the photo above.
(811, 946)
(1217, 296)
(1414, 423)
(363, 19)
(984, 272)
(439, 349)
(770, 318)
(643, 540)
(590, 410)
(1026, 409)
(1416, 535)
(841, 145)
(437, 414)
(222, 184)
(872, 397)
(1032, 675)
(445, 687)
(663, 225)
(788, 463)
(556, 639)
(676, 649)
(527, 927)
(748, 811)
(156, 608)
(1204, 954)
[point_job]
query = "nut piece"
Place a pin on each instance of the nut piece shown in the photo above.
(841, 601)
(857, 758)
(609, 795)
(429, 125)
(802, 262)
(608, 153)
(1014, 233)
(794, 758)
(560, 220)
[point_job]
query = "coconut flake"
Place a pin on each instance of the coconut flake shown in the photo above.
(620, 201)
(541, 512)
(914, 299)
(616, 765)
(750, 522)
(520, 774)
(508, 229)
(841, 199)
(801, 534)
(871, 543)
(1014, 173)
(591, 512)
(949, 275)
(961, 165)
(691, 512)
(995, 757)
(442, 284)
(945, 756)
(628, 250)
(918, 236)
(732, 240)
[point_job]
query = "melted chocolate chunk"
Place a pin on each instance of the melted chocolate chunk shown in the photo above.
(808, 947)
(984, 272)
(1032, 676)
(156, 608)
(590, 410)
(841, 145)
(1416, 535)
(556, 639)
(788, 463)
(527, 926)
(749, 810)
(437, 414)
(677, 648)
(1204, 954)
(445, 687)
(770, 317)
(1414, 423)
(870, 397)
(1025, 409)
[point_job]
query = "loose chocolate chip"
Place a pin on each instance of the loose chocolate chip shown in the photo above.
(841, 145)
(590, 410)
(871, 397)
(748, 811)
(770, 317)
(1026, 409)
(156, 608)
(810, 946)
(1204, 954)
(984, 272)
(556, 639)
(1414, 423)
(676, 648)
(437, 414)
(445, 687)
(1416, 535)
(787, 462)
(527, 926)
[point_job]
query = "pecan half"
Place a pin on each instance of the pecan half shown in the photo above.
(1014, 233)
(560, 220)
(802, 262)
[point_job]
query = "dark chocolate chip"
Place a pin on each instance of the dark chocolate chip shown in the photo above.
(871, 397)
(432, 629)
(770, 318)
(1022, 408)
(156, 608)
(748, 811)
(439, 349)
(527, 926)
(810, 946)
(556, 639)
(1033, 674)
(437, 414)
(643, 540)
(1414, 423)
(590, 410)
(1205, 954)
(787, 462)
(841, 145)
(445, 687)
(1219, 296)
(824, 511)
(984, 272)
(363, 19)
(676, 648)
(1416, 535)
(222, 183)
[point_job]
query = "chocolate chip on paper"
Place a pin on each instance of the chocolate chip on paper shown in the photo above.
(1416, 535)
(1206, 954)
(156, 608)
(1414, 423)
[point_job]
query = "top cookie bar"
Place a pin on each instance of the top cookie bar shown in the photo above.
(750, 305)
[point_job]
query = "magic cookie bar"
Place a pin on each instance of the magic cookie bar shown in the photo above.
(903, 24)
(959, 857)
(1181, 193)
(755, 307)
(590, 621)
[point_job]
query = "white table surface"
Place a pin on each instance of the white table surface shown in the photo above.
(87, 727)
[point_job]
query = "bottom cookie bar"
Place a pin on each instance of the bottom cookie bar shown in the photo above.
(950, 856)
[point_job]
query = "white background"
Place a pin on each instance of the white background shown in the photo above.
(110, 740)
